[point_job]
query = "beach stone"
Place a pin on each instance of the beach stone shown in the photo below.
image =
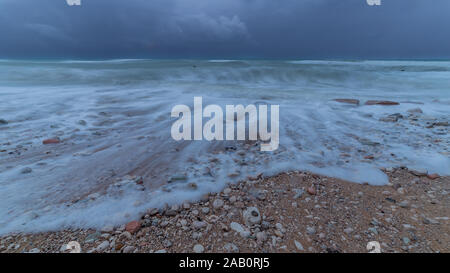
(34, 250)
(92, 237)
(103, 246)
(392, 118)
(381, 102)
(298, 193)
(406, 240)
(441, 123)
(404, 204)
(298, 245)
(199, 224)
(419, 172)
(51, 141)
(415, 111)
(161, 251)
(348, 230)
(172, 211)
(218, 203)
(348, 101)
(311, 190)
(82, 122)
(373, 230)
(167, 243)
(128, 249)
(310, 230)
(176, 178)
(196, 235)
(433, 176)
(205, 210)
(126, 235)
(261, 236)
(198, 248)
(252, 216)
(236, 227)
(26, 170)
(107, 229)
(227, 191)
(133, 227)
(428, 221)
(231, 248)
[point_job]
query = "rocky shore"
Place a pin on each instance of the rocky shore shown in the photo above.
(290, 212)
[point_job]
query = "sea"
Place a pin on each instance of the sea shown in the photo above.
(117, 158)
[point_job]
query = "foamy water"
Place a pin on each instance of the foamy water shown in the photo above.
(113, 118)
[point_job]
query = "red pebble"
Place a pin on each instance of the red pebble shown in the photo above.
(133, 227)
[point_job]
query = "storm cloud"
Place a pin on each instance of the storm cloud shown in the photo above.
(224, 29)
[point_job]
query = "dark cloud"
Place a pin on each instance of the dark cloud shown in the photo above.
(225, 29)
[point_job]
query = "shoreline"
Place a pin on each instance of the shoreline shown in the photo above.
(289, 212)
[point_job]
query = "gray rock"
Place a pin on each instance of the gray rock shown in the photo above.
(406, 240)
(126, 235)
(373, 230)
(261, 236)
(34, 250)
(310, 230)
(415, 111)
(237, 227)
(198, 248)
(298, 193)
(176, 178)
(128, 249)
(231, 248)
(82, 122)
(218, 203)
(298, 245)
(93, 237)
(199, 224)
(167, 243)
(252, 216)
(404, 204)
(428, 221)
(107, 229)
(103, 246)
(26, 170)
(348, 230)
(205, 210)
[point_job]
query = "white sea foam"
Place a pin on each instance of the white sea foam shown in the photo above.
(125, 106)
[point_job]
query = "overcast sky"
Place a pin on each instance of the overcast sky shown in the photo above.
(225, 29)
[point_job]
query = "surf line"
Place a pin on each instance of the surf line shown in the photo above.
(213, 129)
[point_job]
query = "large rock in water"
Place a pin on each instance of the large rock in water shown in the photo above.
(51, 141)
(349, 101)
(381, 102)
